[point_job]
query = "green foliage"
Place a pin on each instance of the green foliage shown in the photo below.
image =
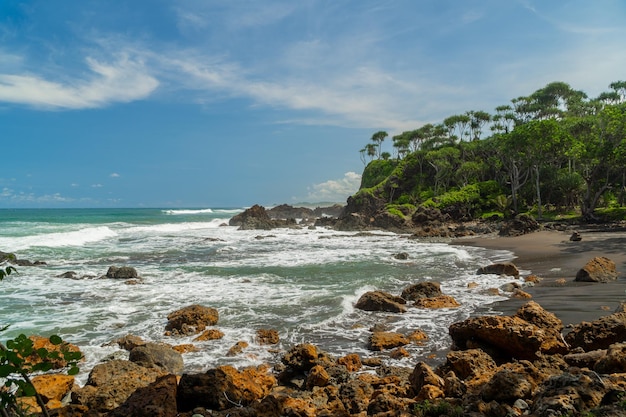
(376, 172)
(400, 210)
(440, 408)
(17, 364)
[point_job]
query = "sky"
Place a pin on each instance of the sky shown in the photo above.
(229, 103)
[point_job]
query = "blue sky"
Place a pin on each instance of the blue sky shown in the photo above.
(206, 103)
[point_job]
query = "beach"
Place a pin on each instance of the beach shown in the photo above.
(550, 255)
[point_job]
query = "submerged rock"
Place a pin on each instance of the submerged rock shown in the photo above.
(381, 301)
(191, 319)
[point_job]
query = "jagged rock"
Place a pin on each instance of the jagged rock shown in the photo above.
(155, 400)
(7, 257)
(512, 381)
(68, 274)
(191, 319)
(355, 396)
(424, 375)
(428, 215)
(584, 359)
(569, 394)
(129, 342)
(418, 337)
(317, 377)
(503, 268)
(510, 335)
(422, 290)
(575, 237)
(156, 355)
(52, 388)
(381, 301)
(122, 272)
(443, 301)
(285, 211)
(533, 313)
(520, 225)
(598, 334)
(402, 256)
(237, 348)
(301, 357)
(111, 383)
(257, 218)
(386, 340)
(599, 269)
(469, 364)
(267, 337)
(223, 388)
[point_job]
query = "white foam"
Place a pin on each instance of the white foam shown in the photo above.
(183, 212)
(59, 239)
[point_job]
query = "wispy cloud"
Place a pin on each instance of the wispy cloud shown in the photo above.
(121, 81)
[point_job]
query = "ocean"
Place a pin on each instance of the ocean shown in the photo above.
(301, 282)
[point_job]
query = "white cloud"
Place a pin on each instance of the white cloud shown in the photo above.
(335, 190)
(96, 186)
(114, 175)
(124, 80)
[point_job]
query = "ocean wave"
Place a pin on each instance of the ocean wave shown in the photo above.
(58, 239)
(187, 211)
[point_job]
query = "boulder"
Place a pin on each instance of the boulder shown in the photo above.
(424, 375)
(129, 342)
(469, 364)
(209, 334)
(257, 218)
(191, 319)
(111, 383)
(223, 387)
(502, 268)
(422, 290)
(512, 381)
(386, 340)
(285, 211)
(511, 336)
(352, 362)
(52, 388)
(157, 355)
(533, 313)
(614, 361)
(155, 400)
(599, 269)
(301, 357)
(317, 377)
(381, 301)
(122, 272)
(598, 334)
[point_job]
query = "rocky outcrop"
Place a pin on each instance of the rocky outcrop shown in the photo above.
(386, 340)
(442, 301)
(157, 355)
(520, 225)
(7, 257)
(257, 218)
(381, 301)
(427, 289)
(155, 400)
(191, 320)
(599, 269)
(121, 272)
(598, 334)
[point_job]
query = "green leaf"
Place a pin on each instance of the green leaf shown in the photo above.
(56, 340)
(6, 370)
(73, 370)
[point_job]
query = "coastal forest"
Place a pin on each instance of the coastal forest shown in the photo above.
(555, 152)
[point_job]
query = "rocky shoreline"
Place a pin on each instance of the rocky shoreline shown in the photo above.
(526, 362)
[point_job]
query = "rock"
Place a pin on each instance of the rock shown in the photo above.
(209, 334)
(223, 388)
(129, 342)
(422, 290)
(520, 225)
(267, 337)
(503, 268)
(285, 211)
(575, 237)
(614, 361)
(7, 257)
(352, 362)
(68, 274)
(257, 218)
(381, 301)
(192, 319)
(418, 337)
(584, 359)
(40, 342)
(511, 382)
(424, 375)
(469, 364)
(569, 394)
(237, 348)
(599, 269)
(598, 334)
(318, 377)
(156, 400)
(111, 383)
(156, 355)
(533, 313)
(402, 256)
(123, 272)
(512, 336)
(355, 396)
(301, 357)
(52, 388)
(443, 301)
(386, 340)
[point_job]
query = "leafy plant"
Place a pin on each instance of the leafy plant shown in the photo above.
(440, 408)
(19, 360)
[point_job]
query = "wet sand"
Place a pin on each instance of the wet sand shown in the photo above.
(553, 257)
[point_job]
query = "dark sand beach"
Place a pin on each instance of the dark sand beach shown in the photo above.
(553, 257)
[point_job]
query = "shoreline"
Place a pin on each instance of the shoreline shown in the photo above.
(550, 255)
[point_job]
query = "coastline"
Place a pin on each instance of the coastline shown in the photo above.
(550, 255)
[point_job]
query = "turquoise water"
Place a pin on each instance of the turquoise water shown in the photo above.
(301, 282)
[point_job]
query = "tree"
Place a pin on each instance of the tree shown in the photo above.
(478, 119)
(378, 139)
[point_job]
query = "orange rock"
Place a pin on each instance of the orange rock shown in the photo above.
(185, 348)
(209, 334)
(517, 293)
(53, 386)
(352, 362)
(237, 348)
(191, 319)
(429, 392)
(44, 342)
(532, 278)
(443, 301)
(318, 377)
(399, 353)
(386, 340)
(418, 337)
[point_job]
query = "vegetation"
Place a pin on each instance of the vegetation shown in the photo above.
(440, 408)
(16, 366)
(553, 151)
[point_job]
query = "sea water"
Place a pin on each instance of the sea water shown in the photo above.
(302, 282)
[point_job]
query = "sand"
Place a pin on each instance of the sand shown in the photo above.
(553, 257)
